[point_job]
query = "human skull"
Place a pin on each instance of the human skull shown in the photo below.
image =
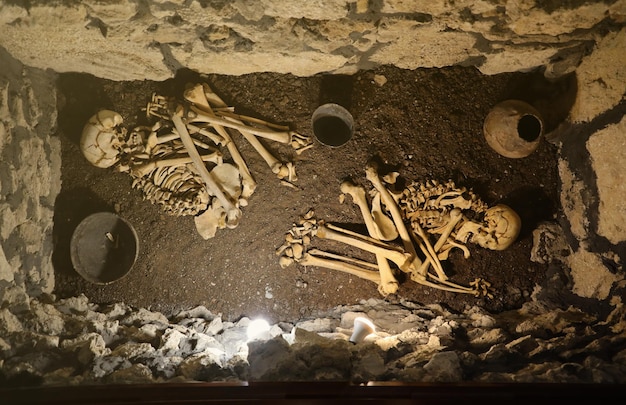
(501, 226)
(102, 138)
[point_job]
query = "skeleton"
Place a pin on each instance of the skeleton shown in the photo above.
(453, 216)
(178, 162)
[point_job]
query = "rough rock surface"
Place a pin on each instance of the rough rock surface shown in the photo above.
(136, 40)
(30, 176)
(536, 343)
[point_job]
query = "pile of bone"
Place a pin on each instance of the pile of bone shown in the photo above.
(179, 164)
(453, 216)
(72, 341)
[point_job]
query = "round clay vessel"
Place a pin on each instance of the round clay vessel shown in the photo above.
(513, 128)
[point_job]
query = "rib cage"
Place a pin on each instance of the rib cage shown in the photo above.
(428, 204)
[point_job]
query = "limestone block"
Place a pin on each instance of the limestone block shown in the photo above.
(200, 312)
(591, 277)
(199, 342)
(105, 365)
(573, 190)
(105, 328)
(9, 323)
(144, 316)
(170, 341)
(368, 363)
(601, 78)
(45, 319)
(91, 45)
(110, 12)
(481, 338)
(517, 58)
(13, 296)
(549, 243)
(201, 365)
(607, 149)
(317, 325)
(134, 374)
(526, 19)
(132, 350)
(480, 319)
(6, 272)
(411, 45)
(444, 367)
(33, 363)
(163, 366)
(87, 347)
(73, 305)
(314, 9)
(305, 63)
(522, 345)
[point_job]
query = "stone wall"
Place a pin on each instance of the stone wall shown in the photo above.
(30, 177)
(137, 40)
(74, 342)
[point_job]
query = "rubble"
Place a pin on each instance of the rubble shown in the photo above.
(411, 343)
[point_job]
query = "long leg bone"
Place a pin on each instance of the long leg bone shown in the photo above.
(198, 115)
(310, 260)
(201, 105)
(372, 175)
(233, 213)
(388, 283)
(397, 256)
(297, 141)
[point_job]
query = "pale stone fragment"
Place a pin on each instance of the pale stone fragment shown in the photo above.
(535, 21)
(591, 278)
(572, 191)
(601, 78)
(607, 148)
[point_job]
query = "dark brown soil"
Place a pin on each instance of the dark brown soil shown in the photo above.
(426, 124)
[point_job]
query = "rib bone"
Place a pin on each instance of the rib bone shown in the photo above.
(144, 169)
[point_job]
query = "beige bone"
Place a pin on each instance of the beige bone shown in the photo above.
(388, 283)
(233, 213)
(198, 97)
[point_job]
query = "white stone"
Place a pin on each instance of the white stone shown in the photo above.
(416, 49)
(103, 366)
(132, 350)
(317, 325)
(6, 272)
(73, 305)
(46, 319)
(87, 347)
(9, 323)
(170, 341)
(572, 189)
(444, 367)
(535, 21)
(591, 278)
(144, 316)
(601, 78)
(607, 148)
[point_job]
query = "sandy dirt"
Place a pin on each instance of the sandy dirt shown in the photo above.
(426, 124)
